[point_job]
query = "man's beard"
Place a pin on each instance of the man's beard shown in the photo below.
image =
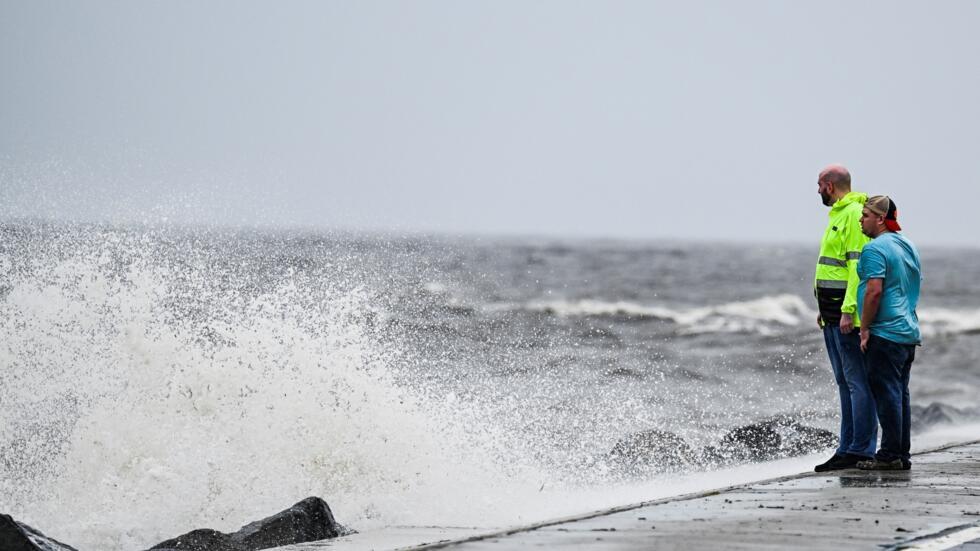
(828, 199)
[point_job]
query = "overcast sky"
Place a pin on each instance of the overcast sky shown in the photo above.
(704, 120)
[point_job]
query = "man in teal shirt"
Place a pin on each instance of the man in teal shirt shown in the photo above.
(887, 296)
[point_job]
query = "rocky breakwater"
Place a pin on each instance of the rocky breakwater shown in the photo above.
(17, 536)
(938, 415)
(657, 451)
(308, 520)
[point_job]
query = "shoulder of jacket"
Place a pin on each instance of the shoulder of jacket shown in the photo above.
(853, 212)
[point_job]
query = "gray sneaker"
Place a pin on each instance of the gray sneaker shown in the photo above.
(879, 465)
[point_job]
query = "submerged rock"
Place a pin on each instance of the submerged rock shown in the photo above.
(773, 438)
(929, 416)
(802, 439)
(16, 536)
(755, 442)
(200, 540)
(308, 520)
(651, 450)
(656, 451)
(938, 413)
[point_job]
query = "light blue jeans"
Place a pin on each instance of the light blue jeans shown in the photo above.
(858, 418)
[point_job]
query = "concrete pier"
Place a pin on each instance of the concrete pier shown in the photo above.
(936, 505)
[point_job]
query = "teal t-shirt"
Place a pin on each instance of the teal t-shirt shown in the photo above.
(893, 258)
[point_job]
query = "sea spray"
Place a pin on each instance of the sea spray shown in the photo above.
(159, 379)
(160, 401)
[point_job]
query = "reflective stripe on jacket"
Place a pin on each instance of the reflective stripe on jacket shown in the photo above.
(840, 250)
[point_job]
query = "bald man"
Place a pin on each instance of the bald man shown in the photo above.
(835, 287)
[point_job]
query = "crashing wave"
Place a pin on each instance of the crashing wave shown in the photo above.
(946, 321)
(764, 315)
(760, 315)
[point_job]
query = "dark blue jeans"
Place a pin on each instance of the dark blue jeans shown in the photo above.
(858, 422)
(889, 369)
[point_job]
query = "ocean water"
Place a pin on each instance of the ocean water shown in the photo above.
(156, 380)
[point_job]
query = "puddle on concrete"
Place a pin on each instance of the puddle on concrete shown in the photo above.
(879, 479)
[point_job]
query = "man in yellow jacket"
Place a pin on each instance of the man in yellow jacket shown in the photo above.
(835, 287)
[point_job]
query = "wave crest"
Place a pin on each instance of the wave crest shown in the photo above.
(765, 315)
(761, 315)
(946, 321)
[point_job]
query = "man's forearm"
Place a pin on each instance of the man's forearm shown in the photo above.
(869, 309)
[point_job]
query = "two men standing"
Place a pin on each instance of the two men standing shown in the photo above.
(867, 292)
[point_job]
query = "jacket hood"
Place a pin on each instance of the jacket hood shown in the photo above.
(851, 197)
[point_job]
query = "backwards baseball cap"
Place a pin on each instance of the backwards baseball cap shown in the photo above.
(882, 205)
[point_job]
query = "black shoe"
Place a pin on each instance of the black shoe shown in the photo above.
(838, 462)
(827, 465)
(906, 465)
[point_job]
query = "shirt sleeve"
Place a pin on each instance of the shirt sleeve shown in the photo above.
(872, 263)
(854, 241)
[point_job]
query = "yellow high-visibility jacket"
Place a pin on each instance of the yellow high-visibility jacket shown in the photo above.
(836, 281)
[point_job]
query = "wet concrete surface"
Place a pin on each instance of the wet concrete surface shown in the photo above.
(849, 509)
(935, 505)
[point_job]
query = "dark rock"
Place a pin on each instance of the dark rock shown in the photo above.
(199, 540)
(772, 438)
(755, 442)
(651, 450)
(308, 520)
(938, 414)
(656, 451)
(15, 536)
(712, 456)
(802, 439)
(932, 415)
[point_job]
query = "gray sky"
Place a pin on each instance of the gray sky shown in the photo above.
(646, 119)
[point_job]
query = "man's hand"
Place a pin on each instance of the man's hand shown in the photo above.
(846, 323)
(865, 335)
(819, 321)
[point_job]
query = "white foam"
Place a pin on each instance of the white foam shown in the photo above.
(590, 307)
(233, 411)
(755, 315)
(763, 315)
(435, 287)
(173, 432)
(946, 435)
(944, 321)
